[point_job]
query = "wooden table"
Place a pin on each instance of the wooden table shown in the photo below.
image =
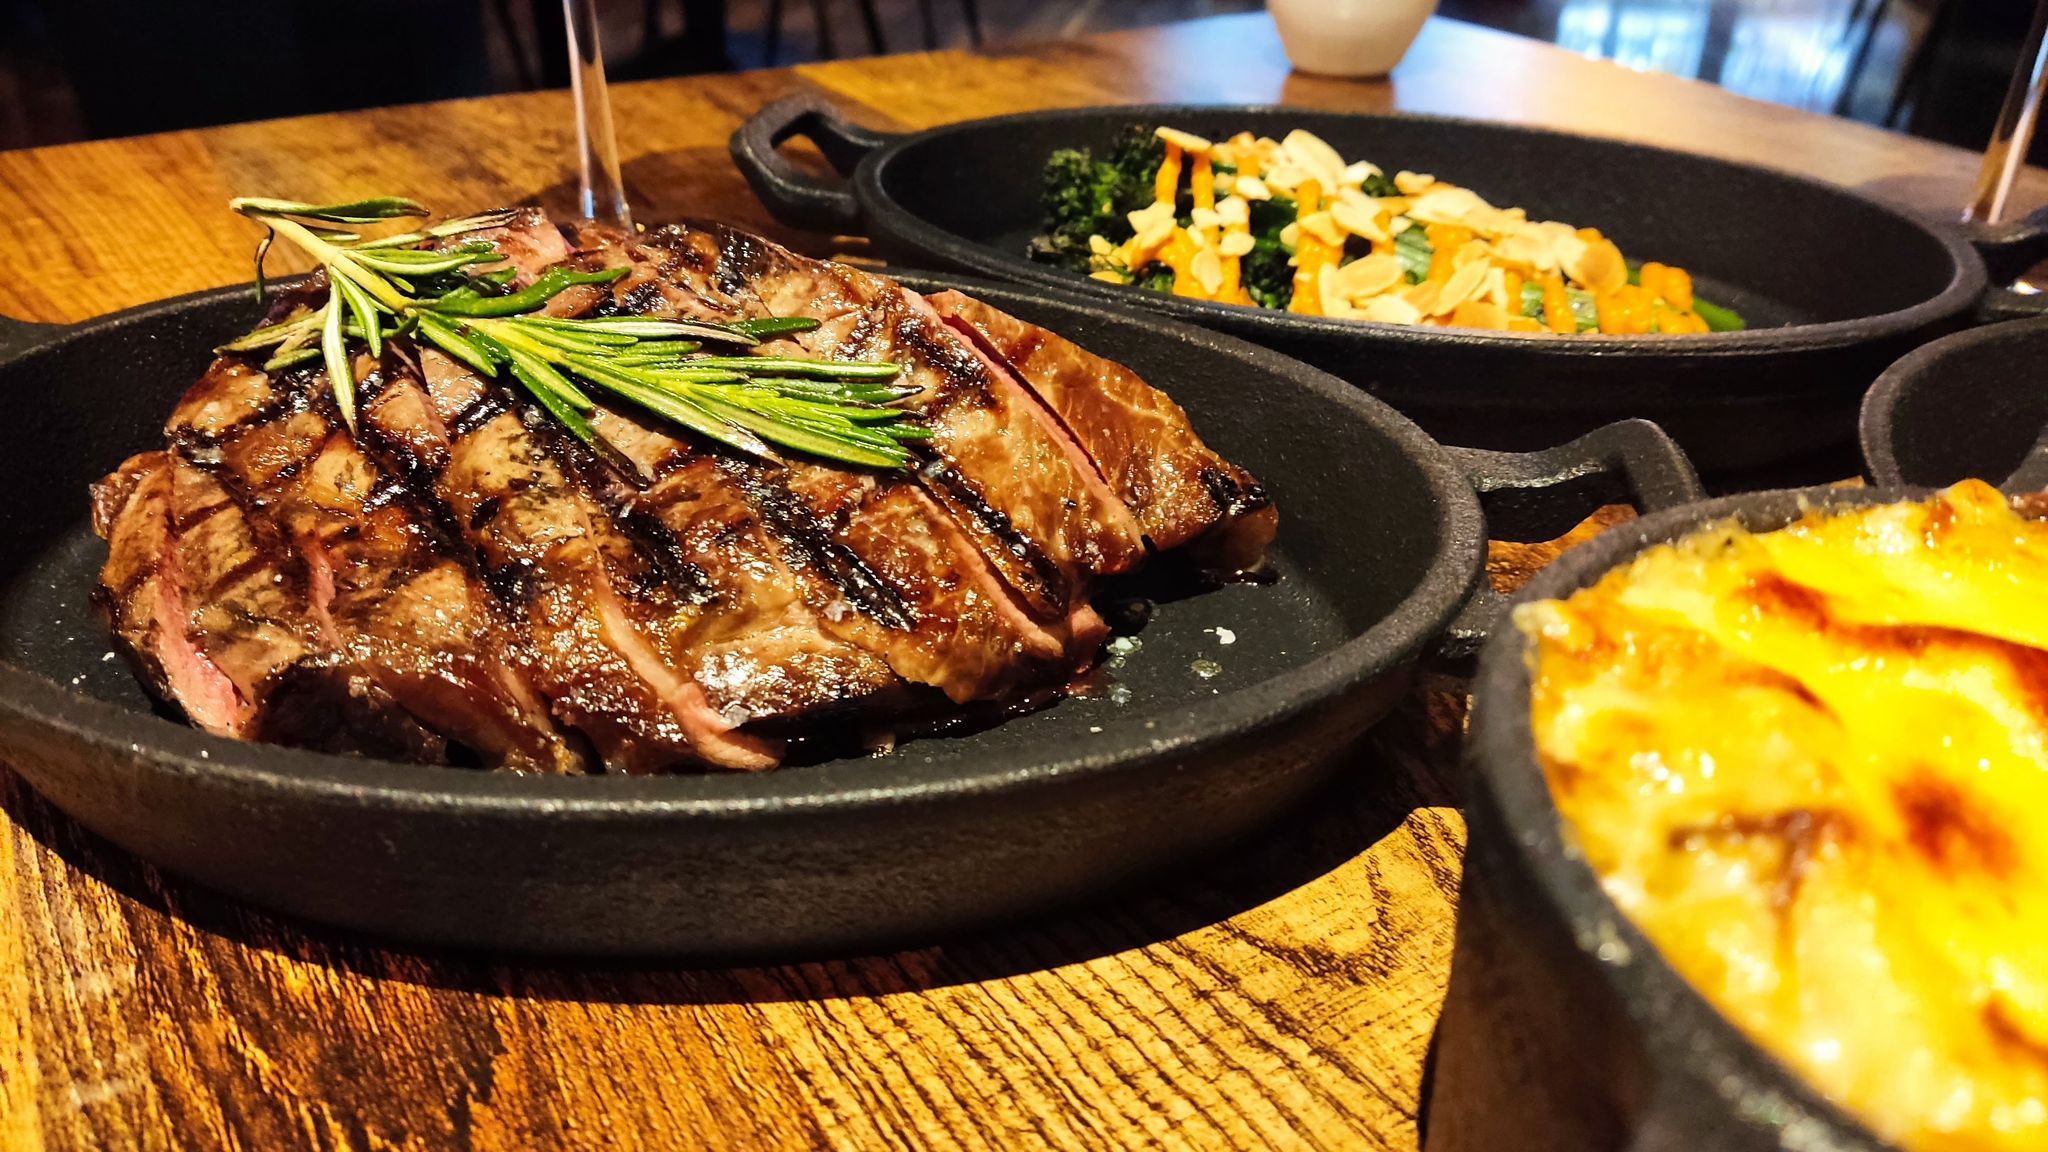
(1280, 996)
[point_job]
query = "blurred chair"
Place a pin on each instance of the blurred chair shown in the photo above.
(821, 15)
(155, 65)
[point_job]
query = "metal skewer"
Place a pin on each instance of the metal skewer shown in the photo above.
(604, 191)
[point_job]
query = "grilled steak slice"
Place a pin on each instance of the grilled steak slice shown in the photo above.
(763, 645)
(1180, 490)
(146, 603)
(966, 632)
(604, 626)
(382, 587)
(1024, 494)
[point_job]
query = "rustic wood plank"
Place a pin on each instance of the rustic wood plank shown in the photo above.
(1281, 996)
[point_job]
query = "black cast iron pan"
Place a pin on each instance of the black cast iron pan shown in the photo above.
(1381, 543)
(1564, 1030)
(1835, 285)
(1971, 404)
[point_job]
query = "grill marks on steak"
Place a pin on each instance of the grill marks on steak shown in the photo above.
(1148, 452)
(604, 627)
(464, 569)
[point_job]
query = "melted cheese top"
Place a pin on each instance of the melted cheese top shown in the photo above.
(1812, 765)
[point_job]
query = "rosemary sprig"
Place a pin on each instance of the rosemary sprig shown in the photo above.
(449, 297)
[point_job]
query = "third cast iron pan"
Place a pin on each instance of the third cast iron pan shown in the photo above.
(1564, 1029)
(1835, 285)
(1380, 545)
(1974, 404)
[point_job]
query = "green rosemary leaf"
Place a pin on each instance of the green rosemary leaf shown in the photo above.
(272, 334)
(365, 311)
(291, 359)
(540, 376)
(686, 411)
(341, 375)
(454, 342)
(770, 327)
(642, 327)
(908, 431)
(368, 211)
(798, 366)
(575, 421)
(551, 283)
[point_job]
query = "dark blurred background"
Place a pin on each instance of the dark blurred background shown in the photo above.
(79, 69)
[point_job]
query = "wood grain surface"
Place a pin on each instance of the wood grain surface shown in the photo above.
(1279, 996)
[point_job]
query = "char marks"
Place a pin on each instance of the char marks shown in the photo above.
(464, 572)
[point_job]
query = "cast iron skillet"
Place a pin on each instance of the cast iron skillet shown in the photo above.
(1835, 285)
(1382, 540)
(1564, 1029)
(1971, 404)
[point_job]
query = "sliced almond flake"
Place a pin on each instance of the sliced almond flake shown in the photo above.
(1153, 226)
(1446, 204)
(1496, 287)
(1226, 183)
(1598, 266)
(1390, 310)
(1309, 151)
(1100, 245)
(1367, 276)
(1208, 270)
(1471, 251)
(1190, 143)
(1525, 250)
(1359, 172)
(1285, 175)
(1480, 314)
(1330, 288)
(1290, 236)
(1319, 225)
(1566, 249)
(1233, 210)
(1202, 218)
(1412, 182)
(1340, 309)
(1398, 225)
(1251, 188)
(1105, 274)
(1424, 296)
(1459, 288)
(1236, 244)
(1358, 220)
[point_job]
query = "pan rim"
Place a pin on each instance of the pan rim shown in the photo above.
(1967, 280)
(150, 742)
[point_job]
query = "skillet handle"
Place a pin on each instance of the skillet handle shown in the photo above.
(21, 335)
(791, 194)
(2005, 304)
(2009, 249)
(1535, 496)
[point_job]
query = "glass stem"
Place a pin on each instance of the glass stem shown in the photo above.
(604, 191)
(2014, 133)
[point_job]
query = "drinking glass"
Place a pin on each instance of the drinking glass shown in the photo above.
(604, 191)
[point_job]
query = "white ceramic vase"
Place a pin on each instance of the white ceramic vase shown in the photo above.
(1348, 37)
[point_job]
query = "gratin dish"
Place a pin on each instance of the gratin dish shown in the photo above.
(1971, 404)
(1564, 1027)
(1834, 284)
(1382, 542)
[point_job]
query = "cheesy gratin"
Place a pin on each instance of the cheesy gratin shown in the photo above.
(1812, 765)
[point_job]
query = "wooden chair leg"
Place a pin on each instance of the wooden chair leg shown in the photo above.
(523, 67)
(826, 49)
(772, 39)
(931, 24)
(874, 26)
(972, 11)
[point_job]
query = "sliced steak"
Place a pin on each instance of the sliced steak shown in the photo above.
(144, 601)
(382, 586)
(603, 626)
(1180, 490)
